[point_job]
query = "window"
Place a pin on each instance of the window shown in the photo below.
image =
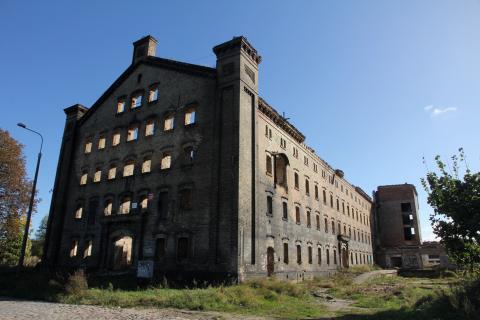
(166, 161)
(189, 154)
(406, 207)
(285, 211)
(297, 214)
(83, 178)
(189, 116)
(338, 205)
(160, 249)
(334, 256)
(296, 181)
(116, 139)
(326, 225)
(333, 227)
(128, 169)
(88, 146)
(182, 249)
(309, 222)
(163, 205)
(350, 232)
(101, 142)
(125, 205)
(348, 210)
(268, 164)
(315, 167)
(88, 249)
(327, 253)
(283, 143)
(331, 200)
(316, 192)
(310, 255)
(122, 253)
(409, 233)
(339, 228)
(98, 175)
(186, 199)
(132, 133)
(79, 212)
(269, 205)
(112, 172)
(266, 131)
(295, 152)
(153, 94)
(107, 210)
(150, 128)
(120, 105)
(144, 202)
(317, 220)
(299, 254)
(168, 123)
(319, 255)
(307, 187)
(324, 197)
(146, 165)
(285, 253)
(343, 207)
(305, 160)
(73, 248)
(137, 100)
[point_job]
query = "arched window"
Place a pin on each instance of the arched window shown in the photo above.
(87, 252)
(125, 205)
(122, 253)
(168, 123)
(84, 178)
(73, 248)
(79, 212)
(128, 168)
(190, 116)
(143, 202)
(108, 206)
(182, 249)
(319, 255)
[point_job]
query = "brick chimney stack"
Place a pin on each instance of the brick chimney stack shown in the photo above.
(145, 47)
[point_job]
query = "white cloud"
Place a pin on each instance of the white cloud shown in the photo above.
(438, 111)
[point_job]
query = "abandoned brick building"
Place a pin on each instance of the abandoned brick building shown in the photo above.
(397, 237)
(188, 167)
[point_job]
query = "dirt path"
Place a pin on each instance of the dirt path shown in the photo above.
(15, 309)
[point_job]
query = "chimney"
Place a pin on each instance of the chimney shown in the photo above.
(145, 47)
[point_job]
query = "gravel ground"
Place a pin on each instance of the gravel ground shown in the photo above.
(15, 309)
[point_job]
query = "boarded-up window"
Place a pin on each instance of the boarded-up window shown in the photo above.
(182, 249)
(166, 161)
(285, 253)
(168, 123)
(150, 128)
(190, 116)
(112, 172)
(146, 165)
(128, 169)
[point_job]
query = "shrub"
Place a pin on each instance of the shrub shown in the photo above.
(76, 283)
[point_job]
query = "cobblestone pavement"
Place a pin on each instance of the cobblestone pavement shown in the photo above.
(15, 309)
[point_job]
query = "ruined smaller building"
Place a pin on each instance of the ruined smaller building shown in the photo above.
(398, 241)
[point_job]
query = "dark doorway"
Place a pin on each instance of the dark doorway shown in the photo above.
(270, 261)
(396, 262)
(345, 257)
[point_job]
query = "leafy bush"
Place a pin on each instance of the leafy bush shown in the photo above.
(76, 283)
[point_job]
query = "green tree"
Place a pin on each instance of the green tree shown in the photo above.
(456, 203)
(15, 191)
(39, 241)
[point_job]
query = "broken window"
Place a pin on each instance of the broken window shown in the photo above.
(88, 249)
(297, 214)
(285, 253)
(166, 161)
(299, 254)
(186, 202)
(137, 100)
(107, 210)
(132, 133)
(150, 128)
(112, 172)
(307, 187)
(116, 139)
(101, 142)
(73, 248)
(153, 94)
(79, 212)
(168, 122)
(97, 177)
(83, 178)
(88, 146)
(128, 169)
(190, 116)
(268, 164)
(406, 207)
(122, 253)
(296, 181)
(285, 211)
(281, 163)
(121, 105)
(146, 165)
(160, 249)
(309, 223)
(269, 205)
(182, 249)
(125, 205)
(310, 255)
(163, 205)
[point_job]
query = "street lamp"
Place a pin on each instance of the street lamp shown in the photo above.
(32, 198)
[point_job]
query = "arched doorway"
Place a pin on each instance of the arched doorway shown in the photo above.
(270, 261)
(122, 253)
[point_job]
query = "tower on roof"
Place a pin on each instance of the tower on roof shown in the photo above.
(145, 47)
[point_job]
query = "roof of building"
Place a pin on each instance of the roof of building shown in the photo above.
(393, 186)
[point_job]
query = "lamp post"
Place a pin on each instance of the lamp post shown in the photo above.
(32, 198)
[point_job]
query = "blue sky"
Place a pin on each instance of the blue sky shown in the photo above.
(374, 85)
